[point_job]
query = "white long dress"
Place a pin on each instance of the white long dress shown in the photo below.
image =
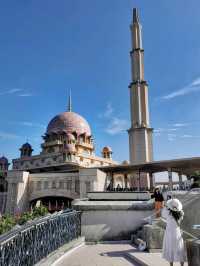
(173, 245)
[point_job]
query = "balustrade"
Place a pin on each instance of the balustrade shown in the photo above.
(29, 244)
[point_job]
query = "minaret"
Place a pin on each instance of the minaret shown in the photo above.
(69, 109)
(140, 133)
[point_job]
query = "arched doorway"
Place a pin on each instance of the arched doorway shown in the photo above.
(53, 203)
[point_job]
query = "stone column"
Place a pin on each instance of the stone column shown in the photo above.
(112, 181)
(151, 181)
(180, 180)
(139, 181)
(125, 181)
(17, 196)
(170, 179)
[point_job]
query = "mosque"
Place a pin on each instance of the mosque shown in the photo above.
(67, 145)
(67, 167)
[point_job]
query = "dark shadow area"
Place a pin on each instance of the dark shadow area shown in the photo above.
(122, 254)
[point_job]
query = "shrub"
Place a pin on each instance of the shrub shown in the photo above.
(6, 223)
(39, 211)
(26, 216)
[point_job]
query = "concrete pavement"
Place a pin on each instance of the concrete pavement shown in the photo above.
(99, 255)
(150, 259)
(111, 254)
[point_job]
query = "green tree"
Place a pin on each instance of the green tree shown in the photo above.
(196, 177)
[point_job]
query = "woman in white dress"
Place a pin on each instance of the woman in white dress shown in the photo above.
(173, 244)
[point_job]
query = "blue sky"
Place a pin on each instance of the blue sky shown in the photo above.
(47, 47)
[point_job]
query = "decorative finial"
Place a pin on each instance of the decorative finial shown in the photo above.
(70, 102)
(135, 15)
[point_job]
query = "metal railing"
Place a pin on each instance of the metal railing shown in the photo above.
(29, 244)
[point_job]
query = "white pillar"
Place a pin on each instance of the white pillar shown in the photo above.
(170, 179)
(180, 180)
(151, 181)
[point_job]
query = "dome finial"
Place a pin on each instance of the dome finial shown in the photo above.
(135, 15)
(70, 102)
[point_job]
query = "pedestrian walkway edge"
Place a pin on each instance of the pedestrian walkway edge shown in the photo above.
(53, 258)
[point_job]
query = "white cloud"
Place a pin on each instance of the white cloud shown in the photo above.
(10, 91)
(196, 82)
(25, 95)
(28, 124)
(192, 87)
(108, 112)
(162, 130)
(16, 91)
(172, 129)
(8, 136)
(187, 136)
(158, 130)
(117, 126)
(180, 125)
(171, 137)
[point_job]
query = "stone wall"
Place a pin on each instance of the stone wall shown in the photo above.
(111, 220)
(17, 195)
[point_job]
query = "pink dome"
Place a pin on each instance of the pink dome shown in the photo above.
(69, 122)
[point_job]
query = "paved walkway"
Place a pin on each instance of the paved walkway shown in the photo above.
(150, 259)
(111, 255)
(99, 255)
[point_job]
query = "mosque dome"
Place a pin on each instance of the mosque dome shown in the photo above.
(26, 146)
(68, 122)
(107, 149)
(3, 160)
(125, 162)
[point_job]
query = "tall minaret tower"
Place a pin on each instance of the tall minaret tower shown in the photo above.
(140, 133)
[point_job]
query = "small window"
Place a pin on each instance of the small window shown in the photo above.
(69, 185)
(87, 184)
(77, 186)
(53, 184)
(46, 184)
(39, 185)
(61, 184)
